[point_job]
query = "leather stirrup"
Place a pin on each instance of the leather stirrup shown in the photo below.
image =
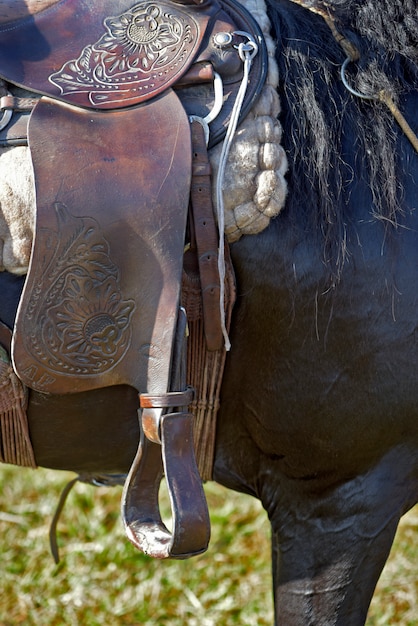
(166, 448)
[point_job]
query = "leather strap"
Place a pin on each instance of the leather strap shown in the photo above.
(166, 400)
(206, 237)
(153, 407)
(14, 117)
(8, 102)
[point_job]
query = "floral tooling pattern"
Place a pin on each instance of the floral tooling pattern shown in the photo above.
(80, 317)
(136, 53)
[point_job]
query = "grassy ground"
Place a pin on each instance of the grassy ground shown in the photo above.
(102, 580)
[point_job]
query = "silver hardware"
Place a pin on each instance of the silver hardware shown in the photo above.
(219, 99)
(6, 117)
(216, 109)
(348, 86)
(222, 40)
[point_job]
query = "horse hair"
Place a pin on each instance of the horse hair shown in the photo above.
(321, 119)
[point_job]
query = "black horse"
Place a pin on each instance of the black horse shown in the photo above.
(319, 404)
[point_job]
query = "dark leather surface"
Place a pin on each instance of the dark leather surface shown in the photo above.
(206, 238)
(102, 54)
(108, 247)
(140, 510)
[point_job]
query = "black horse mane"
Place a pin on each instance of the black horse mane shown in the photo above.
(331, 137)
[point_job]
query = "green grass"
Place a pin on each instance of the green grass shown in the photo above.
(102, 580)
(396, 597)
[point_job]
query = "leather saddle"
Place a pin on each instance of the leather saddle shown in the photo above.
(112, 154)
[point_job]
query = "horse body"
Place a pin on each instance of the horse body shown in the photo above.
(319, 401)
(323, 429)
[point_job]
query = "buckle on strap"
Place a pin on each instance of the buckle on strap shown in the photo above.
(153, 406)
(5, 111)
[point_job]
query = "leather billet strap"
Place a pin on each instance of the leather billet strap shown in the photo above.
(205, 237)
